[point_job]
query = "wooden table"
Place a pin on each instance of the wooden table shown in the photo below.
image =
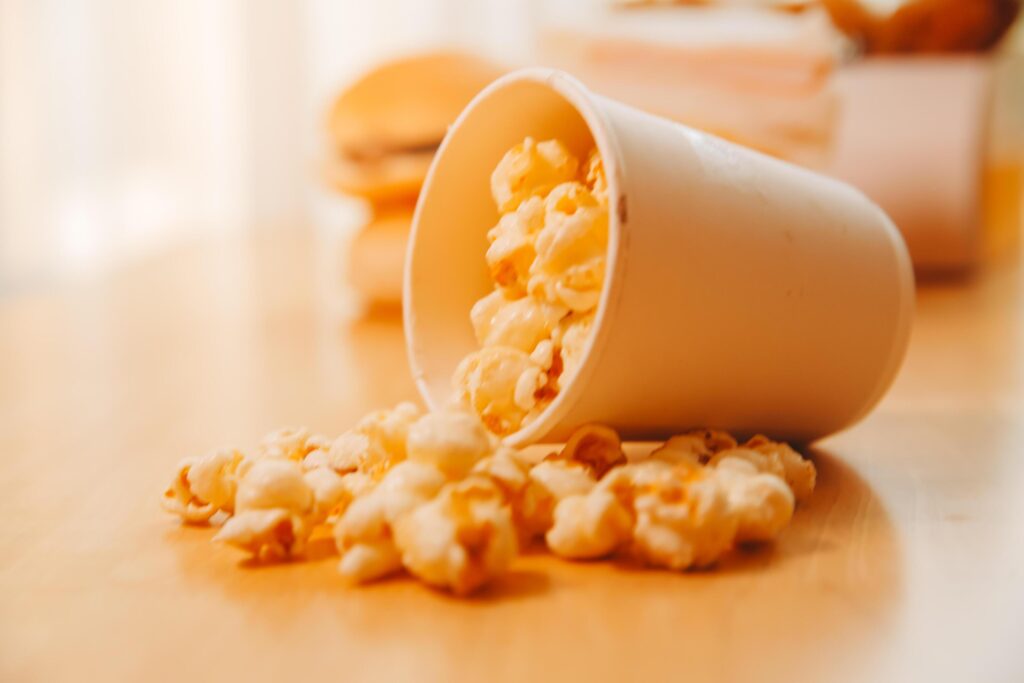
(907, 565)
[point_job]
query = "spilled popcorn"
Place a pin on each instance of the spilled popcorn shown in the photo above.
(547, 259)
(437, 496)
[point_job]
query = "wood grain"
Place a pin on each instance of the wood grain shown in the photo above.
(907, 564)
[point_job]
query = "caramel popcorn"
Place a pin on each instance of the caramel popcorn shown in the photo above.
(547, 258)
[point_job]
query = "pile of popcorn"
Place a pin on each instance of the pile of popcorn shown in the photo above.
(547, 259)
(438, 496)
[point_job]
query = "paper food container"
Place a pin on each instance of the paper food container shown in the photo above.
(742, 292)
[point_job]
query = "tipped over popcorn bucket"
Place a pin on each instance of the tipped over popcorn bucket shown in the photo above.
(742, 292)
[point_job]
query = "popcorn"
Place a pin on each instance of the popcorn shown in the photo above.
(684, 521)
(511, 252)
(269, 535)
(543, 355)
(274, 510)
(596, 181)
(271, 483)
(547, 258)
(572, 339)
(461, 538)
(389, 429)
(451, 441)
(762, 502)
(516, 323)
(798, 472)
(290, 443)
(331, 492)
(179, 499)
(531, 168)
(363, 534)
(589, 526)
(596, 447)
(506, 470)
(440, 497)
(571, 249)
(550, 481)
(377, 442)
(363, 538)
(696, 447)
(486, 381)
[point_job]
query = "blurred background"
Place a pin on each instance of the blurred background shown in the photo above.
(128, 127)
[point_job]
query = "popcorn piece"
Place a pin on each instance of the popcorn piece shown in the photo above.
(451, 441)
(331, 493)
(486, 381)
(685, 521)
(596, 181)
(213, 478)
(762, 502)
(531, 168)
(290, 443)
(271, 483)
(798, 472)
(506, 470)
(550, 481)
(369, 561)
(571, 249)
(511, 252)
(179, 499)
(363, 534)
(528, 387)
(543, 355)
(377, 442)
(274, 510)
(572, 339)
(363, 538)
(589, 526)
(697, 446)
(595, 446)
(389, 429)
(519, 323)
(460, 539)
(269, 535)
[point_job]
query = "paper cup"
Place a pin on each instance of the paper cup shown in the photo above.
(742, 292)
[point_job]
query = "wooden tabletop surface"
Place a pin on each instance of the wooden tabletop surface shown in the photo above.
(907, 564)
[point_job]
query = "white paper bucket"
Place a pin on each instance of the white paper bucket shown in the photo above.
(742, 292)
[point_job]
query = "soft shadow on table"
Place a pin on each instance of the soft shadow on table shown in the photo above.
(833, 578)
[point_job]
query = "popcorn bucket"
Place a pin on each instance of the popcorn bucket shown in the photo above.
(742, 292)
